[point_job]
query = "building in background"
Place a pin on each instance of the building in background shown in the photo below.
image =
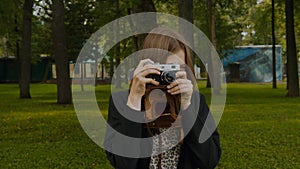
(252, 63)
(40, 70)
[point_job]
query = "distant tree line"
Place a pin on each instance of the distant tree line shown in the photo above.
(60, 28)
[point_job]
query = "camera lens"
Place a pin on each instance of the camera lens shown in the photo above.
(168, 77)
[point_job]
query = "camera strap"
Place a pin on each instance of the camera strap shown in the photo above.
(166, 119)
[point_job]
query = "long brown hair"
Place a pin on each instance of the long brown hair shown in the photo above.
(168, 40)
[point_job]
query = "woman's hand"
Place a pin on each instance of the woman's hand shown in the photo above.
(182, 86)
(139, 81)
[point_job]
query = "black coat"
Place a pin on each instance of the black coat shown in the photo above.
(193, 154)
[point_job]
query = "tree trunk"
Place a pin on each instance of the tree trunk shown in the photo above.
(5, 54)
(82, 73)
(111, 68)
(186, 8)
(212, 22)
(96, 70)
(292, 67)
(60, 53)
(118, 52)
(133, 29)
(17, 53)
(273, 46)
(145, 6)
(25, 70)
(47, 69)
(215, 75)
(209, 60)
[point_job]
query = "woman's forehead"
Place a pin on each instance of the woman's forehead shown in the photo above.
(177, 57)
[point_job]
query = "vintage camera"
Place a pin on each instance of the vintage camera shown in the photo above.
(167, 73)
(169, 103)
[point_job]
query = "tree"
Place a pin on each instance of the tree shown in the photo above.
(25, 71)
(118, 47)
(60, 53)
(292, 70)
(215, 72)
(8, 11)
(10, 19)
(81, 19)
(273, 46)
(185, 10)
(212, 36)
(145, 6)
(297, 25)
(124, 8)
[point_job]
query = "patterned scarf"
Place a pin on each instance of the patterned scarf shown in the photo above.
(167, 159)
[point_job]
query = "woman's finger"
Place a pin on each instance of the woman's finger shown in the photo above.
(178, 82)
(181, 75)
(141, 64)
(150, 81)
(182, 88)
(145, 62)
(144, 65)
(147, 72)
(181, 91)
(150, 66)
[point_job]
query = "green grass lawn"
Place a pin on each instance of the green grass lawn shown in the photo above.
(259, 129)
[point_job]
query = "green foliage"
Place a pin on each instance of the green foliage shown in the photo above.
(230, 21)
(297, 25)
(80, 24)
(258, 129)
(41, 39)
(258, 24)
(84, 17)
(229, 24)
(168, 6)
(10, 23)
(9, 11)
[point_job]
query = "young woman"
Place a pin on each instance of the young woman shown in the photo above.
(188, 153)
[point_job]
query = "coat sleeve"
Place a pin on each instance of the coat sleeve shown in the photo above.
(117, 123)
(206, 154)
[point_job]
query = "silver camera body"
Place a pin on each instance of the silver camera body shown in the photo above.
(167, 73)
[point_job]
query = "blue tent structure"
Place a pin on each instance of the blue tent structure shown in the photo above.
(253, 63)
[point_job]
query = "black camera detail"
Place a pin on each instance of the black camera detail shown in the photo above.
(167, 73)
(164, 78)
